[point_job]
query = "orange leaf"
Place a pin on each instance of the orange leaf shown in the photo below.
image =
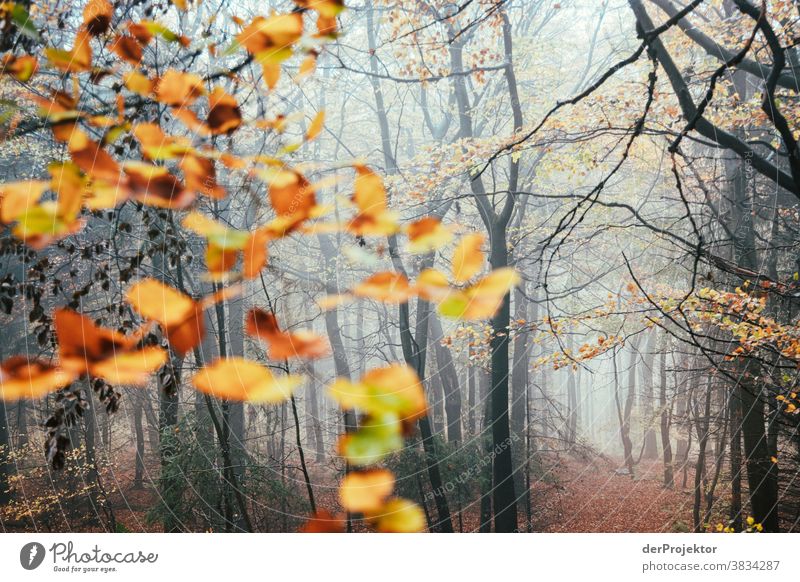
(279, 31)
(324, 522)
(21, 378)
(282, 345)
(17, 197)
(179, 315)
(387, 287)
(128, 49)
(21, 68)
(394, 389)
(155, 186)
(97, 16)
(428, 234)
(90, 157)
(85, 347)
(201, 176)
(179, 89)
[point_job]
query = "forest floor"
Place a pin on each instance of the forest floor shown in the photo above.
(572, 495)
(576, 496)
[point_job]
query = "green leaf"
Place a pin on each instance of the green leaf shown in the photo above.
(375, 438)
(23, 20)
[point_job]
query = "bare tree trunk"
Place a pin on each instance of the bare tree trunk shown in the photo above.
(666, 416)
(314, 428)
(472, 402)
(624, 413)
(22, 423)
(6, 469)
(449, 378)
(139, 432)
(650, 444)
(702, 425)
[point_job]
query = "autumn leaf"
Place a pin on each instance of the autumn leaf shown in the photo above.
(179, 315)
(156, 145)
(270, 40)
(97, 16)
(387, 287)
(75, 60)
(225, 245)
(134, 367)
(43, 224)
(432, 285)
(24, 379)
(244, 380)
(224, 115)
(395, 389)
(87, 348)
(145, 30)
(129, 50)
(327, 8)
(40, 223)
(179, 89)
(316, 126)
(201, 176)
(398, 516)
(324, 522)
(16, 198)
(22, 68)
(369, 196)
(481, 300)
(365, 491)
(156, 186)
(376, 437)
(468, 259)
(138, 83)
(427, 234)
(283, 345)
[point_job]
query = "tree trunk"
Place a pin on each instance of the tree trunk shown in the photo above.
(666, 415)
(5, 449)
(449, 378)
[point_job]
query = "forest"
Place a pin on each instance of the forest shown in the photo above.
(400, 266)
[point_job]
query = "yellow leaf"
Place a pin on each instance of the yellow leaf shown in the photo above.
(134, 368)
(154, 300)
(363, 491)
(316, 126)
(393, 389)
(398, 516)
(428, 234)
(468, 259)
(244, 380)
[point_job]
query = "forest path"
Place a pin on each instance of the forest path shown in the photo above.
(592, 497)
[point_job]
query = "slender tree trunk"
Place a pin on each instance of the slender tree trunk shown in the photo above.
(449, 378)
(6, 469)
(666, 415)
(648, 361)
(703, 424)
(314, 429)
(139, 432)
